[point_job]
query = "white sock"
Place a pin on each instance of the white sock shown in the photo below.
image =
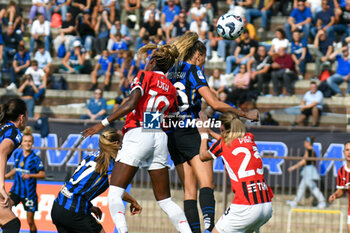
(117, 208)
(175, 214)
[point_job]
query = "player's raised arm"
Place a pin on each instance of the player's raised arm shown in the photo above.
(124, 109)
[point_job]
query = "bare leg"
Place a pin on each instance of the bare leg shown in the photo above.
(315, 115)
(30, 220)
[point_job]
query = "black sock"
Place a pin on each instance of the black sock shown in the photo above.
(191, 212)
(207, 202)
(33, 231)
(12, 226)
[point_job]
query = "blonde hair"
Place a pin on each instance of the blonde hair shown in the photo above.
(108, 149)
(164, 55)
(28, 132)
(233, 127)
(188, 45)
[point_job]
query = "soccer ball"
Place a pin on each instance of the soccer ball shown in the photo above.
(230, 26)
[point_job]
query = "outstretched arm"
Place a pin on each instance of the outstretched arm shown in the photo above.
(337, 194)
(217, 105)
(127, 107)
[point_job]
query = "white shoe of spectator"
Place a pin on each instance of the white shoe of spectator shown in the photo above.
(261, 30)
(220, 59)
(97, 57)
(137, 27)
(321, 205)
(12, 86)
(292, 203)
(300, 77)
(87, 56)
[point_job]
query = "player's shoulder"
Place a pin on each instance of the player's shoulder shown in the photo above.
(343, 170)
(250, 136)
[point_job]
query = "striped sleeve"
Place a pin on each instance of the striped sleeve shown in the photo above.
(216, 150)
(139, 82)
(341, 179)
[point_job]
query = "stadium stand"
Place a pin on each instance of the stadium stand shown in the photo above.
(66, 94)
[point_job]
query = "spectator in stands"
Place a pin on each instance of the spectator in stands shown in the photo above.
(132, 7)
(21, 61)
(38, 6)
(118, 61)
(60, 6)
(104, 66)
(213, 41)
(314, 5)
(342, 16)
(279, 41)
(180, 27)
(217, 82)
(342, 73)
(67, 33)
(102, 28)
(323, 49)
(39, 78)
(261, 8)
(300, 53)
(244, 51)
(44, 59)
(40, 32)
(200, 27)
(11, 41)
(105, 5)
(241, 86)
(170, 15)
(74, 61)
(311, 105)
(86, 34)
(128, 68)
(150, 29)
(268, 120)
(118, 27)
(259, 67)
(151, 9)
(299, 19)
(283, 72)
(81, 6)
(28, 90)
(117, 45)
(12, 15)
(198, 10)
(325, 20)
(96, 107)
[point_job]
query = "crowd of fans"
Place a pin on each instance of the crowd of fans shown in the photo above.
(79, 31)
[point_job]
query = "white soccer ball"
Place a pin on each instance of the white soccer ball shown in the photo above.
(230, 26)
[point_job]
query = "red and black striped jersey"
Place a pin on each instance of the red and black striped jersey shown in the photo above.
(343, 181)
(245, 169)
(158, 95)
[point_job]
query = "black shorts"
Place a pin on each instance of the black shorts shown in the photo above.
(30, 205)
(183, 144)
(67, 221)
(308, 112)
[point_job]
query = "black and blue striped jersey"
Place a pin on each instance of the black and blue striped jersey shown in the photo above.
(26, 165)
(84, 185)
(187, 79)
(9, 131)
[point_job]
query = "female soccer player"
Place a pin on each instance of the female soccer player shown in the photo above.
(28, 168)
(251, 207)
(309, 175)
(184, 143)
(153, 94)
(343, 180)
(71, 211)
(13, 118)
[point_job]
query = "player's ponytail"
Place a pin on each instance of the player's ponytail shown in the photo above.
(164, 55)
(233, 127)
(12, 110)
(108, 149)
(185, 44)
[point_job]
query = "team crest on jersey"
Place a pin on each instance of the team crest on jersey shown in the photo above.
(200, 74)
(18, 138)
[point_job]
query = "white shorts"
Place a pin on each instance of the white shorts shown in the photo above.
(348, 219)
(244, 218)
(146, 149)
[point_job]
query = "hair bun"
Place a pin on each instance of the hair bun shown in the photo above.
(27, 130)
